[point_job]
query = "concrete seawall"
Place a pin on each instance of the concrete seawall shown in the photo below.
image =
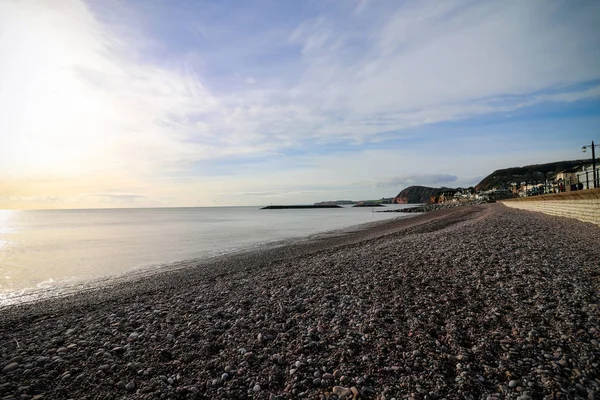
(583, 205)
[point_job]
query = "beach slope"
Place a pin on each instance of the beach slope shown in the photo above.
(470, 302)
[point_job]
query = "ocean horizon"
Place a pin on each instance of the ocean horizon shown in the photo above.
(47, 252)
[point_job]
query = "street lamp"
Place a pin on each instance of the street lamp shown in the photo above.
(584, 149)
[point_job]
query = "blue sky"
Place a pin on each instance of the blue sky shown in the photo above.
(156, 103)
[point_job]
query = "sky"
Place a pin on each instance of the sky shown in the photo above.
(148, 103)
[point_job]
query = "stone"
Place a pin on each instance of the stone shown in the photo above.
(225, 376)
(367, 391)
(337, 374)
(512, 384)
(581, 389)
(327, 376)
(10, 367)
(256, 388)
(130, 386)
(341, 392)
(317, 382)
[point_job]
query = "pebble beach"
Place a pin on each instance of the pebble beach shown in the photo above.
(474, 302)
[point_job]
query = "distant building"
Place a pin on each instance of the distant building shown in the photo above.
(567, 179)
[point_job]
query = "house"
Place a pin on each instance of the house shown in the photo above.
(567, 179)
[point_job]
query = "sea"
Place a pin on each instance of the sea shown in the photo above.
(51, 252)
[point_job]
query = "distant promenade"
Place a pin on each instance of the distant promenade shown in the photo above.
(469, 302)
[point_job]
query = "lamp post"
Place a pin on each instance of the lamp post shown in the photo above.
(584, 149)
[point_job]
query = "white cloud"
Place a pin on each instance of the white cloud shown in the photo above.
(75, 103)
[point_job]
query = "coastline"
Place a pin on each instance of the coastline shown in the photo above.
(145, 272)
(443, 304)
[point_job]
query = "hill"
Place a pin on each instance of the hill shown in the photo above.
(536, 173)
(417, 194)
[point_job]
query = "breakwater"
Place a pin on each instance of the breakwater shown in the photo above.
(301, 207)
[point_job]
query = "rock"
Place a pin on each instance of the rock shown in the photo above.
(581, 389)
(327, 376)
(341, 392)
(337, 374)
(225, 376)
(10, 367)
(512, 384)
(130, 386)
(256, 388)
(354, 391)
(367, 391)
(317, 382)
(17, 359)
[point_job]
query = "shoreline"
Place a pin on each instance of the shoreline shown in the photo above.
(297, 246)
(481, 301)
(47, 287)
(134, 274)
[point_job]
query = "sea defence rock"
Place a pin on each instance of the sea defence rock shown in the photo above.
(301, 207)
(583, 205)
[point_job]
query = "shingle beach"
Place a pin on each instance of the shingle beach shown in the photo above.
(478, 302)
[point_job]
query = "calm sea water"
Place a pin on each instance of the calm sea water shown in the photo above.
(47, 252)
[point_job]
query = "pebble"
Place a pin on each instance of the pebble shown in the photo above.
(130, 386)
(367, 391)
(10, 367)
(256, 388)
(341, 392)
(512, 384)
